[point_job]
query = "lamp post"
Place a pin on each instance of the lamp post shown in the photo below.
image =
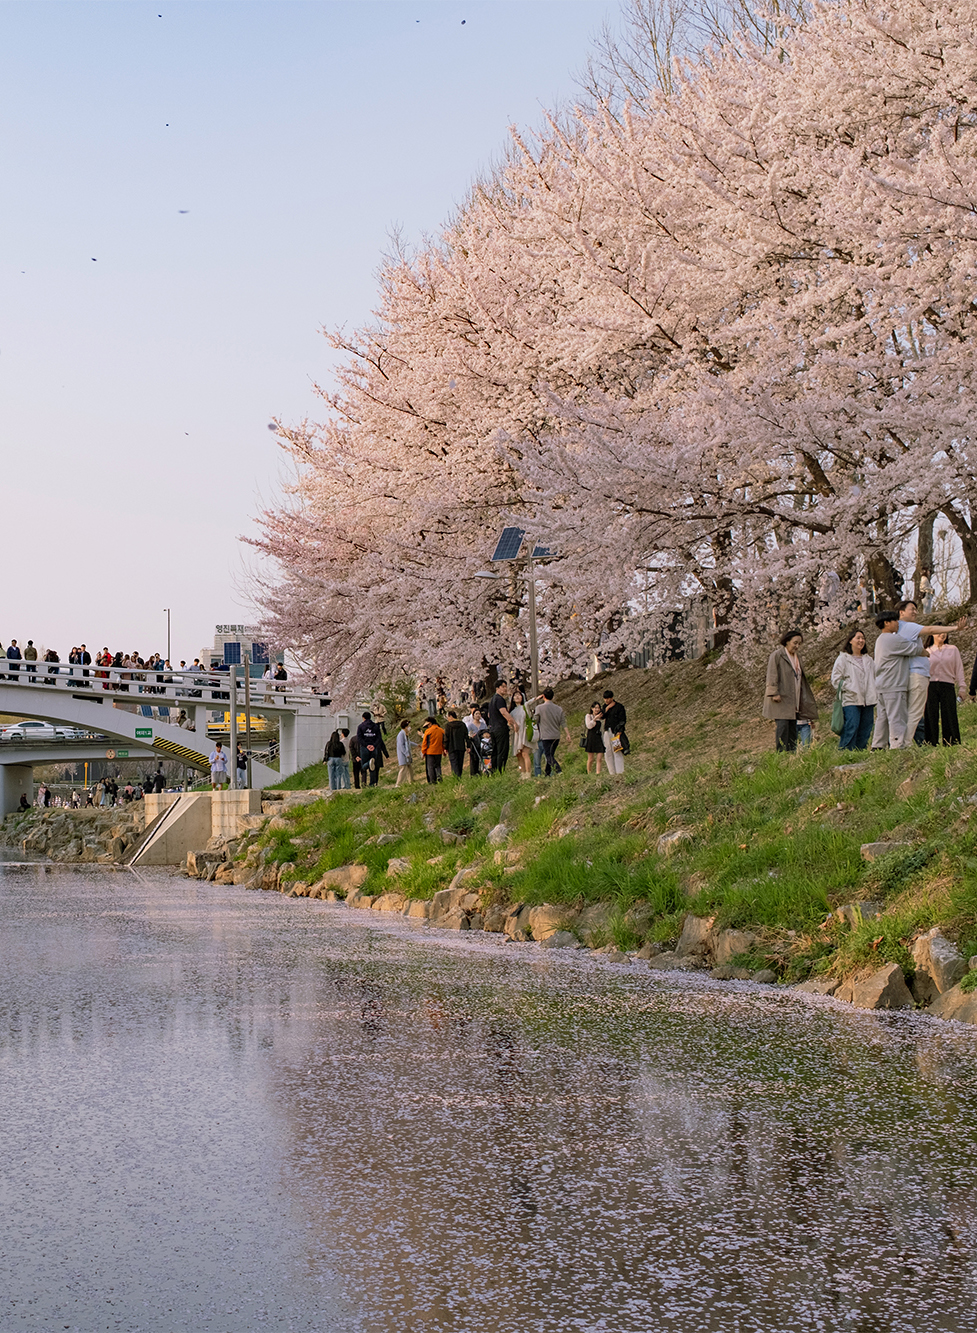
(247, 714)
(168, 656)
(507, 548)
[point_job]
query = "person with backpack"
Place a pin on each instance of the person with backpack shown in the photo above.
(371, 748)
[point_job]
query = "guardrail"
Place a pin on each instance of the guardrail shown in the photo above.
(184, 688)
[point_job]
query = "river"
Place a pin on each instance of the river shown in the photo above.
(223, 1110)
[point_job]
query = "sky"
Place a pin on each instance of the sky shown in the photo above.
(190, 193)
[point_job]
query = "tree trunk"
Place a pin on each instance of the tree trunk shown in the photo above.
(924, 548)
(969, 543)
(882, 573)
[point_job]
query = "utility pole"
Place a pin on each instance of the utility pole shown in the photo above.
(232, 739)
(168, 650)
(533, 651)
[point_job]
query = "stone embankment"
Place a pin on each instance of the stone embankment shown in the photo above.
(87, 836)
(468, 904)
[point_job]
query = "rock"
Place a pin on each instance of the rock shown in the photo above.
(972, 964)
(510, 857)
(594, 922)
(507, 811)
(884, 989)
(850, 770)
(345, 879)
(670, 842)
(639, 916)
(117, 848)
(269, 876)
(939, 966)
(452, 839)
(856, 913)
(611, 954)
(467, 875)
(494, 918)
(827, 986)
(516, 924)
(330, 896)
(650, 950)
(871, 851)
(436, 860)
(276, 824)
(727, 973)
(290, 799)
(418, 909)
(398, 865)
(956, 1004)
(225, 874)
(360, 820)
(453, 920)
(547, 919)
(670, 962)
(727, 944)
(363, 901)
(476, 921)
(446, 901)
(561, 939)
(497, 836)
(907, 787)
(764, 976)
(385, 839)
(696, 937)
(198, 863)
(389, 902)
(480, 808)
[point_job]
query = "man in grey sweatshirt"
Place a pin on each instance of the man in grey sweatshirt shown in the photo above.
(893, 654)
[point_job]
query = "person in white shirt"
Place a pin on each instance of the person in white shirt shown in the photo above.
(919, 671)
(892, 654)
(854, 671)
(218, 767)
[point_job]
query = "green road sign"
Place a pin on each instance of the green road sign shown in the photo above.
(122, 754)
(144, 733)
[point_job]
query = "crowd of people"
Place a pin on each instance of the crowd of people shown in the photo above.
(506, 726)
(105, 792)
(905, 692)
(46, 662)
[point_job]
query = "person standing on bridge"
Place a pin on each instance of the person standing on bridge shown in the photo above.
(30, 656)
(13, 656)
(218, 767)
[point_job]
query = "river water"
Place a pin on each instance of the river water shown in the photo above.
(223, 1110)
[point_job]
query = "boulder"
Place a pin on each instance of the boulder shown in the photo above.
(345, 879)
(385, 839)
(225, 874)
(727, 973)
(447, 900)
(855, 913)
(198, 863)
(389, 902)
(649, 950)
(696, 937)
(765, 976)
(508, 857)
(956, 1004)
(883, 989)
(611, 954)
(939, 966)
(516, 924)
(671, 842)
(476, 921)
(594, 921)
(851, 770)
(451, 839)
(456, 919)
(497, 836)
(827, 986)
(276, 824)
(436, 860)
(364, 901)
(871, 851)
(398, 865)
(494, 918)
(639, 916)
(727, 944)
(291, 799)
(670, 962)
(466, 875)
(547, 918)
(418, 909)
(269, 876)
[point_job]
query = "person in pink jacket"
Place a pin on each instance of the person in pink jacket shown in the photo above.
(947, 685)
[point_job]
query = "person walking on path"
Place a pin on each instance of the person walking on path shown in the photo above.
(500, 724)
(218, 767)
(520, 740)
(475, 725)
(455, 742)
(614, 720)
(594, 737)
(854, 671)
(405, 754)
(371, 747)
(432, 748)
(788, 695)
(919, 668)
(550, 721)
(947, 685)
(893, 652)
(335, 757)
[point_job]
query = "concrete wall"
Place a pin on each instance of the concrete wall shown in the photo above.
(15, 780)
(302, 741)
(227, 807)
(186, 829)
(156, 802)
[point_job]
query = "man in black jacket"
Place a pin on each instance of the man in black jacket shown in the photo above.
(372, 749)
(500, 723)
(455, 742)
(614, 721)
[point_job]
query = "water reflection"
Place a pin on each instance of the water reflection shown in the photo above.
(226, 1111)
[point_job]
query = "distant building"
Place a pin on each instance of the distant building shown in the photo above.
(230, 644)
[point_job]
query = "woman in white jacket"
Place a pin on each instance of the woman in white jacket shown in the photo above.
(854, 669)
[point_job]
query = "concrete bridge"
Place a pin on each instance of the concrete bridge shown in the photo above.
(98, 700)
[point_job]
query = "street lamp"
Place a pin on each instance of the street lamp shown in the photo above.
(168, 654)
(508, 548)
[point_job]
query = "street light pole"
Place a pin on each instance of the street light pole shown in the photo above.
(232, 738)
(247, 713)
(533, 651)
(169, 657)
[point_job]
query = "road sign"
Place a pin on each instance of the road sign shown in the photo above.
(109, 754)
(122, 754)
(144, 733)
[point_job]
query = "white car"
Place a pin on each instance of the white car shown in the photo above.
(33, 731)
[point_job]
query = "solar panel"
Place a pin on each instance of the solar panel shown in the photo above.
(509, 544)
(542, 553)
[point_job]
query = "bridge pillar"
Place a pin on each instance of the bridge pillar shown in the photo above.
(15, 780)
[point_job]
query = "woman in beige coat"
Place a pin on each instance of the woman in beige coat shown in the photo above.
(788, 694)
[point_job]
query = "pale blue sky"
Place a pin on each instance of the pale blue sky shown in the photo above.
(143, 350)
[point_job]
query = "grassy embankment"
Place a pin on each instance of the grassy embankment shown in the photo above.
(775, 839)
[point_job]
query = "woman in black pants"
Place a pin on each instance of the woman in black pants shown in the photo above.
(946, 685)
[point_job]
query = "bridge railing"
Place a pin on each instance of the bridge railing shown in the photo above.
(184, 688)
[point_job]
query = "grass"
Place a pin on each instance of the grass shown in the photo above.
(774, 840)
